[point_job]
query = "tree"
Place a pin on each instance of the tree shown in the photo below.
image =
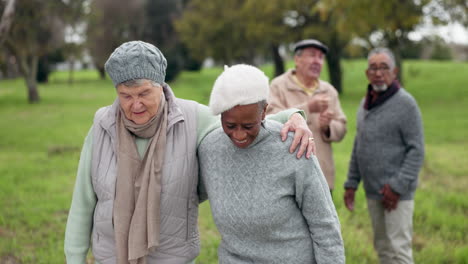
(37, 28)
(45, 62)
(255, 30)
(268, 29)
(212, 29)
(258, 28)
(110, 23)
(5, 23)
(159, 30)
(288, 21)
(6, 19)
(388, 22)
(72, 52)
(442, 12)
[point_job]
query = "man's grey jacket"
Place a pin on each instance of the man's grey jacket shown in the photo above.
(388, 147)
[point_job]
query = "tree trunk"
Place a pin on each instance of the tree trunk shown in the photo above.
(29, 70)
(6, 19)
(394, 44)
(102, 72)
(277, 60)
(43, 70)
(71, 70)
(334, 63)
(33, 94)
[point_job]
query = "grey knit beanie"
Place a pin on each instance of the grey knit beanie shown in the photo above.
(136, 60)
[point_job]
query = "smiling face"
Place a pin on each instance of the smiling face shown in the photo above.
(242, 123)
(140, 103)
(309, 63)
(381, 71)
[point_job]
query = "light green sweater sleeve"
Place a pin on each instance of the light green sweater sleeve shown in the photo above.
(208, 122)
(80, 216)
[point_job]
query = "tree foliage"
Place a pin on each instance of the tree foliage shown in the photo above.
(258, 28)
(110, 23)
(36, 30)
(213, 29)
(442, 12)
(160, 30)
(388, 22)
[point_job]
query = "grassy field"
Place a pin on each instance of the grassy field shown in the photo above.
(40, 146)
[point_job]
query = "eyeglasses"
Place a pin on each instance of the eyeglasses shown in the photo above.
(383, 70)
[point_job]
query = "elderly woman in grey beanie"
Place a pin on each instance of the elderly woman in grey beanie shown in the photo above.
(268, 206)
(135, 198)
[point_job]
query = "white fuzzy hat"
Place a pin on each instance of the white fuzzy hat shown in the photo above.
(238, 85)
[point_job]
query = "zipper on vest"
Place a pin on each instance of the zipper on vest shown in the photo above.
(189, 197)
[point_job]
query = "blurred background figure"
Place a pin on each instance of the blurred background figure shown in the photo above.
(301, 88)
(387, 155)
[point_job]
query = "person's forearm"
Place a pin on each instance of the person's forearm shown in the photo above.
(412, 133)
(409, 170)
(285, 115)
(337, 126)
(80, 217)
(276, 108)
(353, 173)
(206, 122)
(321, 217)
(336, 130)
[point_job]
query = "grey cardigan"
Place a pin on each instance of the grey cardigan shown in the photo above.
(179, 239)
(388, 147)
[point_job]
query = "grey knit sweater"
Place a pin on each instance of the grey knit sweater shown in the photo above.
(268, 206)
(388, 147)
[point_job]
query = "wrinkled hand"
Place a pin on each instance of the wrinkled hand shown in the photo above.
(390, 198)
(349, 198)
(325, 119)
(318, 103)
(302, 134)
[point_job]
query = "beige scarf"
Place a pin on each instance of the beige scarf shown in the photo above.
(138, 187)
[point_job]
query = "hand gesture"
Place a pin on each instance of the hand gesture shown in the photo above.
(390, 198)
(318, 103)
(302, 135)
(325, 119)
(349, 198)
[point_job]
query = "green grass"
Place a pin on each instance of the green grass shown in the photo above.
(40, 146)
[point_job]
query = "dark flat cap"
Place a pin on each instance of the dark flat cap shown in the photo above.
(310, 43)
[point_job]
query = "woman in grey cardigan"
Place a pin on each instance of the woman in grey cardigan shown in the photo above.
(268, 206)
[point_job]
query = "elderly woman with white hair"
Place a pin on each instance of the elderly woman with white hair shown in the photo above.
(268, 206)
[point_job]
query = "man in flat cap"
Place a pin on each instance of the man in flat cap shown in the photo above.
(136, 198)
(301, 88)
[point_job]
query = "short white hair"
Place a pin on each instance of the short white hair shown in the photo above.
(240, 84)
(385, 51)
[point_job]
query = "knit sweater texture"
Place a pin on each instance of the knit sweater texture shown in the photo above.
(268, 206)
(388, 147)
